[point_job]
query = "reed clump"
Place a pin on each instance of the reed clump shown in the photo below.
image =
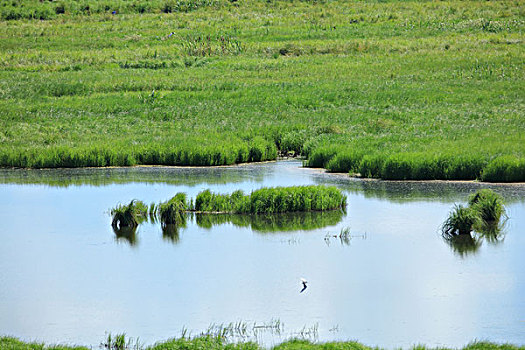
(489, 205)
(273, 200)
(172, 212)
(484, 214)
(130, 215)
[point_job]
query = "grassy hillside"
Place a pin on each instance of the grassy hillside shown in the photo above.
(391, 89)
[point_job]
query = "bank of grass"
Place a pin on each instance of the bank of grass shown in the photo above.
(214, 342)
(395, 90)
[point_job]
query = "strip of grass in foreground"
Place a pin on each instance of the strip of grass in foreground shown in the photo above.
(213, 342)
(396, 90)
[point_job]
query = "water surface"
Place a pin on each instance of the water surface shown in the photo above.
(66, 276)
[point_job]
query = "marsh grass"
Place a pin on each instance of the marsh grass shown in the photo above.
(214, 340)
(129, 216)
(173, 211)
(483, 219)
(461, 221)
(489, 206)
(389, 89)
(272, 200)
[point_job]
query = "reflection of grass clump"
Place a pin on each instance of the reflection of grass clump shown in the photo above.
(275, 222)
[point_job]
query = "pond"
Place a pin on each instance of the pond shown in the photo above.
(393, 282)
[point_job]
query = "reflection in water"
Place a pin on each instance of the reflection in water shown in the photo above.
(170, 232)
(303, 221)
(407, 191)
(275, 222)
(107, 176)
(127, 234)
(464, 244)
(467, 244)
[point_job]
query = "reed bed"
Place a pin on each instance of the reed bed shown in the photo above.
(273, 200)
(264, 210)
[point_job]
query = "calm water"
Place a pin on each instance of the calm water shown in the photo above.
(66, 277)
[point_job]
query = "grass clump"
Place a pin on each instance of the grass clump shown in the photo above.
(172, 212)
(460, 221)
(129, 216)
(489, 206)
(483, 216)
(272, 200)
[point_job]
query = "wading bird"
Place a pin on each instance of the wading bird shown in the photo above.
(304, 282)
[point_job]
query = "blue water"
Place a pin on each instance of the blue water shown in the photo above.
(66, 278)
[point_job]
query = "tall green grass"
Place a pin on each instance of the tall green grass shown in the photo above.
(394, 90)
(273, 200)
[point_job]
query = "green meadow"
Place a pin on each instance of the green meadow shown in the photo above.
(216, 342)
(387, 89)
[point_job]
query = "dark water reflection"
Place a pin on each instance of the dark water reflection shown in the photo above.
(66, 276)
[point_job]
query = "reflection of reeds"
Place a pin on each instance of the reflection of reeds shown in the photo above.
(126, 233)
(273, 223)
(464, 244)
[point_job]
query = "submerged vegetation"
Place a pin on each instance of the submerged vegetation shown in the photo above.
(485, 215)
(389, 89)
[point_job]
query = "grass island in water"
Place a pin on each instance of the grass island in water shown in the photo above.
(264, 201)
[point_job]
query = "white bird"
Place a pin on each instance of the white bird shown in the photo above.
(304, 282)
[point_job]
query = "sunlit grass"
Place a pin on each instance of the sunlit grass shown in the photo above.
(397, 90)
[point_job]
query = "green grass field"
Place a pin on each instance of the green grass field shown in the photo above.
(390, 89)
(213, 342)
